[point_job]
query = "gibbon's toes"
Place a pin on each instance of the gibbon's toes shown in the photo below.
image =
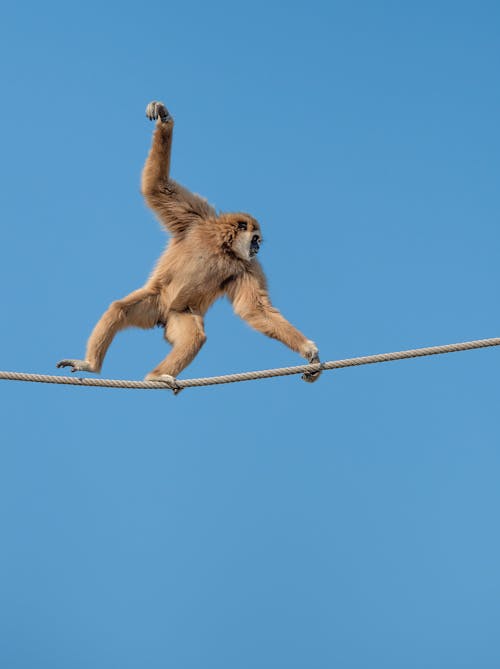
(167, 379)
(156, 110)
(76, 365)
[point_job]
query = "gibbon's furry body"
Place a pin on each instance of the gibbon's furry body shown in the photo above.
(208, 256)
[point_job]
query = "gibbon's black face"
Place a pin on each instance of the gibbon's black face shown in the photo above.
(248, 239)
(254, 246)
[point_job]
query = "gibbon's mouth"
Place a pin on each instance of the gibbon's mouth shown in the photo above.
(254, 248)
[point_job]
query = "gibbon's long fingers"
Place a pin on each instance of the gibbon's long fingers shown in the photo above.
(157, 110)
(311, 354)
(76, 365)
(311, 377)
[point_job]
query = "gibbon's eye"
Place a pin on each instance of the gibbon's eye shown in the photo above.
(242, 225)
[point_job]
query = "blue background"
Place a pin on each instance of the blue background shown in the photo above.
(352, 523)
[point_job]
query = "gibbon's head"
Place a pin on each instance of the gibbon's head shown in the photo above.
(243, 235)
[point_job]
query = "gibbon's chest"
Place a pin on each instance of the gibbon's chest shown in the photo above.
(197, 279)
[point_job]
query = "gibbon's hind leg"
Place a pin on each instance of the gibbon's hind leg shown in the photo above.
(185, 332)
(139, 309)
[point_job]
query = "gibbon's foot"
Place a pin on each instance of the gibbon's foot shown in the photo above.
(76, 365)
(312, 357)
(167, 379)
(156, 110)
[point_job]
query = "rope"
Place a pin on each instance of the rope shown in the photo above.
(250, 376)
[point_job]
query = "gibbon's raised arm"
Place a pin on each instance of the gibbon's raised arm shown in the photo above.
(157, 168)
(176, 207)
(250, 298)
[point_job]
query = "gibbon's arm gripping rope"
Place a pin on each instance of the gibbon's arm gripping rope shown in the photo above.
(250, 376)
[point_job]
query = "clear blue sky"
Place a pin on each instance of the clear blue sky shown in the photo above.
(349, 524)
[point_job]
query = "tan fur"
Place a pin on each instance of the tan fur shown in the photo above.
(208, 256)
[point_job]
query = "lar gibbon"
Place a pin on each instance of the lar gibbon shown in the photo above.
(209, 255)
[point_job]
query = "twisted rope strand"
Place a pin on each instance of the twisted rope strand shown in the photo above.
(251, 376)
